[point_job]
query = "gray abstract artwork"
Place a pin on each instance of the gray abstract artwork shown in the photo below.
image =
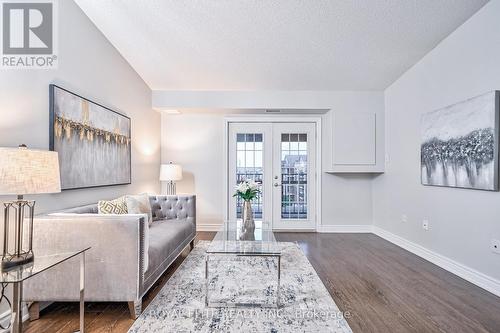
(460, 144)
(93, 141)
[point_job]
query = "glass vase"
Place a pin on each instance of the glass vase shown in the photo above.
(248, 221)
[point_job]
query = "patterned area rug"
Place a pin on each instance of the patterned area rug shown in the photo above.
(306, 305)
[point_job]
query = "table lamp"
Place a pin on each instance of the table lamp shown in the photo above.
(24, 171)
(170, 173)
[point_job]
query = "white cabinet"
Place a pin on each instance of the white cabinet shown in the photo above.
(357, 142)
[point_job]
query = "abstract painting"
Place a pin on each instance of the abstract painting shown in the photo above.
(459, 145)
(93, 141)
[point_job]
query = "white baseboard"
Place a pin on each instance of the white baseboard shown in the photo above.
(359, 228)
(294, 230)
(475, 277)
(208, 227)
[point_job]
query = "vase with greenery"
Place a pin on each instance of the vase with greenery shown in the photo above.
(247, 190)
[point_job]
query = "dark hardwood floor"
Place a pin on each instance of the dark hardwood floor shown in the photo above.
(383, 287)
(388, 289)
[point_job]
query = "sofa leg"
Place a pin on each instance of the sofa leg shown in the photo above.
(191, 244)
(34, 311)
(135, 308)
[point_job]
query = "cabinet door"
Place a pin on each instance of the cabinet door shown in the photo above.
(355, 137)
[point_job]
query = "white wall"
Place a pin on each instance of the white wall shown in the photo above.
(90, 66)
(462, 222)
(195, 140)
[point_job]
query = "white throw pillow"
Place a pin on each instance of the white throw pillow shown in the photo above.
(139, 204)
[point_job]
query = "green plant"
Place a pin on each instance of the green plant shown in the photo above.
(247, 190)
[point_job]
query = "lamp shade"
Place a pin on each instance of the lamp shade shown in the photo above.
(170, 172)
(28, 171)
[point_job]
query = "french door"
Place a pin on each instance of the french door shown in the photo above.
(281, 157)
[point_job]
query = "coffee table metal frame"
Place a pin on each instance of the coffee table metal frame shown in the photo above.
(231, 232)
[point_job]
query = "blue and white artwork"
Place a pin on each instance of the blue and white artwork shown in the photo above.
(460, 144)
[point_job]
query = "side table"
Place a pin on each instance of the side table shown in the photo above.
(17, 275)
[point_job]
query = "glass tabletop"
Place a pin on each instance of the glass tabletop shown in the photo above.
(231, 239)
(39, 264)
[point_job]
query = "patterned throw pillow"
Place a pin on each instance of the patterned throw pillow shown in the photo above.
(139, 204)
(117, 206)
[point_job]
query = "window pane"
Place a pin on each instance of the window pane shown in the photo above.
(258, 159)
(240, 159)
(249, 158)
(249, 166)
(294, 176)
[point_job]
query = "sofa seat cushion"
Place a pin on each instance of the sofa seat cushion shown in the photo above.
(165, 236)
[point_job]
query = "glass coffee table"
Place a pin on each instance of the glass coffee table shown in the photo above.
(227, 254)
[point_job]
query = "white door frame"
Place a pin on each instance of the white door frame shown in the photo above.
(259, 118)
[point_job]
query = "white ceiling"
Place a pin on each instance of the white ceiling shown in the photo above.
(275, 44)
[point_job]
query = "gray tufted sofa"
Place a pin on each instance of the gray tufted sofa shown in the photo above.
(126, 258)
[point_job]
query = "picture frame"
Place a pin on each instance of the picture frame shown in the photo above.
(460, 144)
(93, 141)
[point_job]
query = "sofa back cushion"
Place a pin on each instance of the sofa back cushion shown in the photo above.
(139, 204)
(168, 207)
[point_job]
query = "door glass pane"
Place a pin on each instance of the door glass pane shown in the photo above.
(294, 176)
(249, 155)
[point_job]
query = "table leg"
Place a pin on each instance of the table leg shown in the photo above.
(206, 280)
(82, 293)
(17, 320)
(279, 281)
